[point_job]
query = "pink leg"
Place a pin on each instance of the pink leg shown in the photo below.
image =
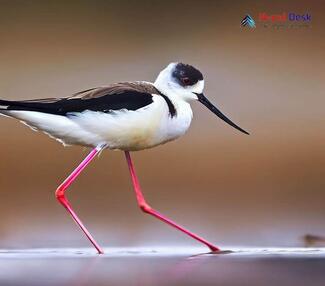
(147, 209)
(60, 194)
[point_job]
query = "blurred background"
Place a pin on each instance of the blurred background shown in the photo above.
(266, 189)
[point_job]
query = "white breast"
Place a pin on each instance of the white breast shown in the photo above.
(177, 125)
(140, 129)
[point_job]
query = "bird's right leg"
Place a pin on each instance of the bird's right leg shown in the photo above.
(147, 209)
(60, 194)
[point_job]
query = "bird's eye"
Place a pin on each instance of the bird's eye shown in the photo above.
(185, 80)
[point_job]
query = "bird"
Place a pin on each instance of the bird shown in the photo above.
(125, 116)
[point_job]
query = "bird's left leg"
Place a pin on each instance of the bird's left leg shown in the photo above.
(147, 209)
(60, 194)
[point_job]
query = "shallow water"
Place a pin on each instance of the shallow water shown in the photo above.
(163, 266)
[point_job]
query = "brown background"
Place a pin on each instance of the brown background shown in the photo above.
(264, 189)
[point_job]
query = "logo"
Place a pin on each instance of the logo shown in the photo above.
(248, 21)
(283, 17)
(283, 20)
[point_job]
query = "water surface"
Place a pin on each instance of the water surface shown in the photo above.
(163, 266)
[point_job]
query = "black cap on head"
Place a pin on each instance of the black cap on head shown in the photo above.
(187, 75)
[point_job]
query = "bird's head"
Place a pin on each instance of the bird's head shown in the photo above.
(185, 82)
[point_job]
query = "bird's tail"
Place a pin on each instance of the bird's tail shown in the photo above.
(28, 105)
(12, 105)
(4, 104)
(7, 106)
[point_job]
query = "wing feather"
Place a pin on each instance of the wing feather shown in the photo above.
(128, 95)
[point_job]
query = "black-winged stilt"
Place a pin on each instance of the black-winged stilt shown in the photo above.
(127, 116)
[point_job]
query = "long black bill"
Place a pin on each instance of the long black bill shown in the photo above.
(217, 112)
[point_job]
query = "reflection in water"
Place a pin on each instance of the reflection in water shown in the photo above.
(161, 266)
(85, 272)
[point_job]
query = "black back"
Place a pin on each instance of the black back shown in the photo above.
(130, 100)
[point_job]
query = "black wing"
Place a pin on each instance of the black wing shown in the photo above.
(130, 96)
